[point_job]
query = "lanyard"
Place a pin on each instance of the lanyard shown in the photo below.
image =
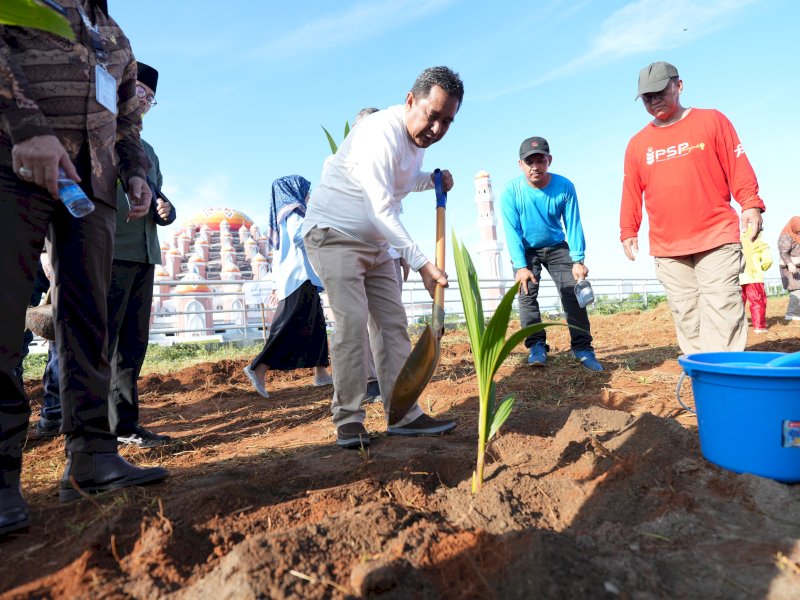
(56, 7)
(98, 41)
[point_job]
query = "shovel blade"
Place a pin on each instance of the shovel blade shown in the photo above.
(414, 375)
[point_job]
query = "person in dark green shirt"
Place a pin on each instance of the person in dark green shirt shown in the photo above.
(136, 252)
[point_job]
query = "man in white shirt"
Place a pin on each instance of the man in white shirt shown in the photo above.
(351, 222)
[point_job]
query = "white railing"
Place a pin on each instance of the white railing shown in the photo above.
(226, 316)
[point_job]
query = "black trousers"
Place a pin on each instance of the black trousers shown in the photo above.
(297, 337)
(130, 297)
(557, 261)
(80, 251)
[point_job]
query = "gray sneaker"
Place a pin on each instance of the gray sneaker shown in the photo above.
(352, 435)
(423, 425)
(373, 395)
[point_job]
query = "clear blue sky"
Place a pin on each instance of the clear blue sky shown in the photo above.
(244, 87)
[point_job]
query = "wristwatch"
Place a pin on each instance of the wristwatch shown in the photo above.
(577, 262)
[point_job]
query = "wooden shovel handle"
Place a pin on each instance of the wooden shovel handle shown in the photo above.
(438, 292)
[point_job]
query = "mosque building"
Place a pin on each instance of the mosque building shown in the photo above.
(489, 249)
(220, 250)
(212, 263)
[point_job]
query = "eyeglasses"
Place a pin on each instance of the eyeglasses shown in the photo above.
(142, 93)
(653, 96)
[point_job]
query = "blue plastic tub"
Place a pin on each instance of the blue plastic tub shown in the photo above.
(748, 416)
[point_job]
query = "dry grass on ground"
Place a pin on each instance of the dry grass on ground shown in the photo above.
(595, 488)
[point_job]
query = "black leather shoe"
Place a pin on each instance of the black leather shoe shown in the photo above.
(96, 472)
(14, 515)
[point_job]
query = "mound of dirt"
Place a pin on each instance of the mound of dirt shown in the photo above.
(595, 488)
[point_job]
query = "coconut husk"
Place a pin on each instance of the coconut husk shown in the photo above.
(39, 319)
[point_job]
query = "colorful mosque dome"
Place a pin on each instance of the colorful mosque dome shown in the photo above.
(165, 245)
(196, 258)
(211, 218)
(231, 268)
(161, 272)
(193, 289)
(480, 174)
(258, 257)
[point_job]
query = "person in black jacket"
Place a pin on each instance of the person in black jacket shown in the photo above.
(136, 252)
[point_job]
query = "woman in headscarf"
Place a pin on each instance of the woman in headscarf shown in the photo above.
(297, 337)
(789, 251)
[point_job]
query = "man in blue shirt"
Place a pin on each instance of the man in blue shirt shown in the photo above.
(534, 206)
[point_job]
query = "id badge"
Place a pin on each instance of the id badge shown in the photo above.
(106, 88)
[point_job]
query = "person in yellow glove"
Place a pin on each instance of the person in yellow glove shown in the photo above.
(757, 259)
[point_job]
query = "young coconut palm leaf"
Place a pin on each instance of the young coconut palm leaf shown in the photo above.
(28, 13)
(489, 350)
(331, 142)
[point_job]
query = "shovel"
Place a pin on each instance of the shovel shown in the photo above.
(424, 357)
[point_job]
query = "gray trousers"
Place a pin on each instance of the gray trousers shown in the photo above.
(705, 297)
(793, 310)
(373, 330)
(361, 283)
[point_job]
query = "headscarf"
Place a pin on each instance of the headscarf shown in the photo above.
(793, 229)
(288, 195)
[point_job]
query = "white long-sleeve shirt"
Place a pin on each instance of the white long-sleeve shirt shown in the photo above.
(290, 266)
(363, 184)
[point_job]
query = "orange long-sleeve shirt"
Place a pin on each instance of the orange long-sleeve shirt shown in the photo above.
(685, 173)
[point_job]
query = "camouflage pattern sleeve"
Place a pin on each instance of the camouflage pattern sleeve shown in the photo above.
(20, 117)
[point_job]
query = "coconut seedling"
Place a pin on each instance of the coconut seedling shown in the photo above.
(331, 142)
(489, 349)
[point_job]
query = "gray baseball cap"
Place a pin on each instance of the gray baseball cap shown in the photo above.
(655, 77)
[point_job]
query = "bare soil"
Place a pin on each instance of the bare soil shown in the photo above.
(595, 488)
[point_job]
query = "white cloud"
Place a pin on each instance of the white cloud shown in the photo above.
(650, 25)
(192, 195)
(644, 26)
(363, 21)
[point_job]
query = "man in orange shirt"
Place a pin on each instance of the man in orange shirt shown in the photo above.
(686, 164)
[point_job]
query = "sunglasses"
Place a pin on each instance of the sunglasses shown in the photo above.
(653, 96)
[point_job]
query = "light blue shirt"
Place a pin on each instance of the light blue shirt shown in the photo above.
(290, 266)
(533, 218)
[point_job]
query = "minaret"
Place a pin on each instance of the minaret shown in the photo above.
(488, 248)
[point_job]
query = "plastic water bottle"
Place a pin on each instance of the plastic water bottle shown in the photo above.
(73, 197)
(584, 293)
